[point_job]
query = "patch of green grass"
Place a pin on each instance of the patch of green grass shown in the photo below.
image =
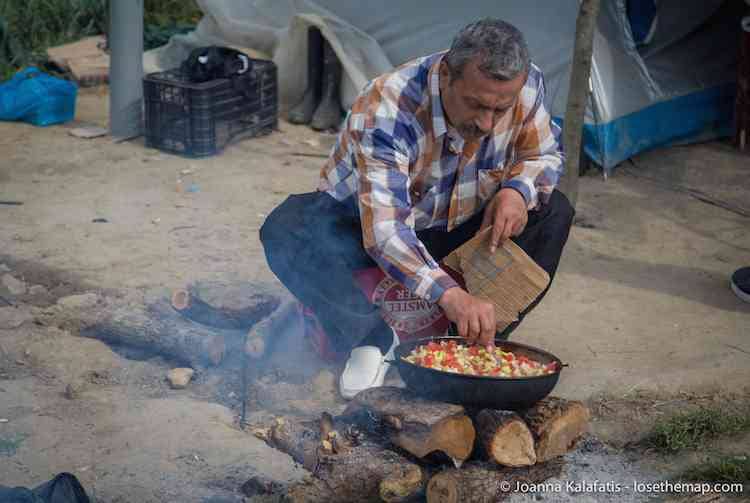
(29, 27)
(166, 12)
(726, 469)
(692, 429)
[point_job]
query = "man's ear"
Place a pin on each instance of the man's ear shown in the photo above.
(446, 77)
(445, 73)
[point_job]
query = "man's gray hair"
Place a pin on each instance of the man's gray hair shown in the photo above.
(500, 46)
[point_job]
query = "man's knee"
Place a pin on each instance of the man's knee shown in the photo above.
(562, 209)
(277, 229)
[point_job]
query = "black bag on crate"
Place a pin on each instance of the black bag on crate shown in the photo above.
(215, 95)
(209, 63)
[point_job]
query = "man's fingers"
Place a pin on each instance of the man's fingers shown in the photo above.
(488, 215)
(498, 228)
(463, 328)
(521, 224)
(475, 328)
(508, 230)
(487, 337)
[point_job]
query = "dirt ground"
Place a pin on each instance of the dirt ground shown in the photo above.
(641, 305)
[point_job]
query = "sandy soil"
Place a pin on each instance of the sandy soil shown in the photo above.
(641, 303)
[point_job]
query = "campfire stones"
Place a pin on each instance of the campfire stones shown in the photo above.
(180, 377)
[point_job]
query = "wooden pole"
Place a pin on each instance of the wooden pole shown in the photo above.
(742, 104)
(578, 96)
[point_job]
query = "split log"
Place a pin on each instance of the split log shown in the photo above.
(505, 438)
(151, 325)
(482, 483)
(356, 474)
(417, 425)
(556, 425)
(251, 303)
(261, 336)
(406, 487)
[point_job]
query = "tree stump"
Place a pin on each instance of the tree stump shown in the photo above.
(556, 425)
(417, 425)
(505, 438)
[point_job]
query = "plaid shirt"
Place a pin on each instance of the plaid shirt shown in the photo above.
(405, 169)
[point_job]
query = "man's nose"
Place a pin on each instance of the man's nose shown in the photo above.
(485, 120)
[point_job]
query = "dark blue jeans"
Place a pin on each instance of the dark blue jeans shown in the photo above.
(313, 243)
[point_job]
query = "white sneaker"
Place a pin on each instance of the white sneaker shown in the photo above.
(366, 368)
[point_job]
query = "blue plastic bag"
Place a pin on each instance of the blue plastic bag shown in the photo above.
(33, 96)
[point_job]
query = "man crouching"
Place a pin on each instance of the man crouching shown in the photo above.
(429, 154)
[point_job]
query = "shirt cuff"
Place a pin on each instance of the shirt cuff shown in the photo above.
(433, 284)
(526, 188)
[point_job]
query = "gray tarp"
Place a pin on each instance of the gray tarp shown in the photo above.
(641, 95)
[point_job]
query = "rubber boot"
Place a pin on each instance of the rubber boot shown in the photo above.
(302, 112)
(328, 113)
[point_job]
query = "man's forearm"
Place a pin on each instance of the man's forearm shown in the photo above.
(409, 263)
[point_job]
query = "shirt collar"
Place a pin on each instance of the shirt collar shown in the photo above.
(439, 124)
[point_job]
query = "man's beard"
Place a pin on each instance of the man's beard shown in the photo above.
(471, 132)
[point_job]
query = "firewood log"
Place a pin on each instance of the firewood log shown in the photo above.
(505, 438)
(417, 425)
(145, 322)
(407, 486)
(485, 483)
(557, 425)
(253, 302)
(353, 475)
(261, 336)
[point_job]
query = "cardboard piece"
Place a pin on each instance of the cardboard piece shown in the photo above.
(84, 48)
(509, 278)
(90, 71)
(85, 59)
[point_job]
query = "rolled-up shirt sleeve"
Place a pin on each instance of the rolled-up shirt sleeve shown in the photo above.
(538, 154)
(385, 211)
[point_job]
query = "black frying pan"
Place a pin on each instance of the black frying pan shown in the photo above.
(478, 391)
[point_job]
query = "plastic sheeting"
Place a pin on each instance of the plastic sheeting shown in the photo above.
(676, 85)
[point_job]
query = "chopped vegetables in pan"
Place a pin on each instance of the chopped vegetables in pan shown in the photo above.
(449, 356)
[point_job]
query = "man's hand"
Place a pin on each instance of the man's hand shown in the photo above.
(474, 317)
(507, 215)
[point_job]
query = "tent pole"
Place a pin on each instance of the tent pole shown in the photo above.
(578, 96)
(125, 40)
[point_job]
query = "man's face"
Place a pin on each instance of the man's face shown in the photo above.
(473, 102)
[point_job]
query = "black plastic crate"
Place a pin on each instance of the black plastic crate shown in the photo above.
(198, 120)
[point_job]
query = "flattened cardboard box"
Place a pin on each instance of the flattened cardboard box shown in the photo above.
(85, 59)
(509, 278)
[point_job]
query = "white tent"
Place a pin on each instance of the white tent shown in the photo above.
(663, 71)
